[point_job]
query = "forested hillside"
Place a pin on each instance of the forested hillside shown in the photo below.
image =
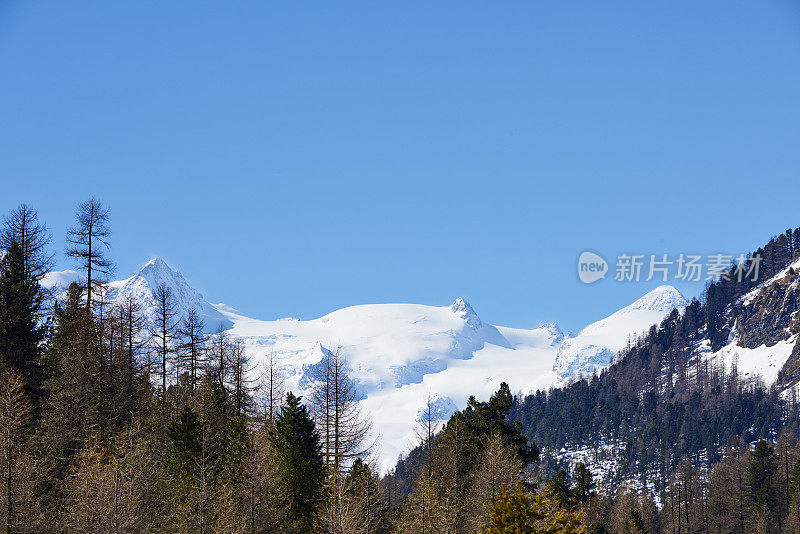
(664, 398)
(113, 421)
(669, 404)
(673, 437)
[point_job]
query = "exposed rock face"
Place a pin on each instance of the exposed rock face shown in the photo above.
(768, 315)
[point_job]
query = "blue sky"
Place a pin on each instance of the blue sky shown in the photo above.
(294, 158)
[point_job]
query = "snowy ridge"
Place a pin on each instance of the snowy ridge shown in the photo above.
(141, 286)
(399, 354)
(594, 347)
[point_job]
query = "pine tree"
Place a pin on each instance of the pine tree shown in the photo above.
(367, 504)
(513, 512)
(760, 480)
(634, 524)
(299, 464)
(21, 334)
(71, 412)
(521, 513)
(559, 488)
(184, 447)
(584, 483)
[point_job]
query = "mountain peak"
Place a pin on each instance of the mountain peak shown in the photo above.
(663, 299)
(594, 347)
(156, 264)
(462, 308)
(554, 331)
(461, 305)
(142, 286)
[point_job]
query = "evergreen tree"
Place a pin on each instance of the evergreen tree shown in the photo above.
(559, 488)
(185, 447)
(369, 511)
(299, 464)
(584, 483)
(71, 413)
(760, 478)
(21, 334)
(512, 512)
(521, 513)
(634, 524)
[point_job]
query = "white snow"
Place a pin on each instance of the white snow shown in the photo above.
(141, 286)
(401, 353)
(594, 347)
(762, 363)
(59, 280)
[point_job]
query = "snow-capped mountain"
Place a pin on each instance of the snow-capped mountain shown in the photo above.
(594, 347)
(141, 286)
(60, 280)
(400, 354)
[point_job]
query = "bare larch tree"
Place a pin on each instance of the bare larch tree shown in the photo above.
(193, 345)
(88, 242)
(218, 357)
(134, 340)
(272, 386)
(335, 399)
(22, 226)
(240, 370)
(164, 330)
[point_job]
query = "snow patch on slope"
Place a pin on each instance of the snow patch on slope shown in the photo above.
(594, 347)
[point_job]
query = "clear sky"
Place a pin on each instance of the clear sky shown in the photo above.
(292, 158)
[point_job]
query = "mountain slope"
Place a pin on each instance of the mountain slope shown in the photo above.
(722, 372)
(401, 353)
(594, 347)
(141, 286)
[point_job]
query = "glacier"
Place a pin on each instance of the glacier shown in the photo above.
(402, 354)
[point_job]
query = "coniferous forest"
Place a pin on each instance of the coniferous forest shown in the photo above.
(111, 421)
